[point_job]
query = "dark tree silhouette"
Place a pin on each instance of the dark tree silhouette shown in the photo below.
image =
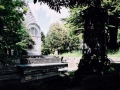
(94, 59)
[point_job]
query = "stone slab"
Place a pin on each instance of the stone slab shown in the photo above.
(39, 60)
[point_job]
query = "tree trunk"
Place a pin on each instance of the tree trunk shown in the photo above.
(113, 30)
(9, 50)
(94, 59)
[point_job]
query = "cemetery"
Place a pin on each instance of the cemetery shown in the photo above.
(29, 60)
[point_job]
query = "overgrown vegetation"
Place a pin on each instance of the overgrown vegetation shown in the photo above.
(72, 54)
(13, 35)
(79, 54)
(59, 39)
(116, 54)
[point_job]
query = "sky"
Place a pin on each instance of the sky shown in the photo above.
(45, 16)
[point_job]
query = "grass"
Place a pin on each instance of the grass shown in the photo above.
(117, 54)
(72, 54)
(79, 54)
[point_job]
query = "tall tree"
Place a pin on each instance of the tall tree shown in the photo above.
(113, 22)
(94, 59)
(56, 5)
(76, 23)
(56, 38)
(42, 37)
(13, 34)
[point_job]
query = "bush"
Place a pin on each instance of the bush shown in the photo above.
(45, 51)
(6, 59)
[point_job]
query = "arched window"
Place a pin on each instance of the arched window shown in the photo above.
(33, 31)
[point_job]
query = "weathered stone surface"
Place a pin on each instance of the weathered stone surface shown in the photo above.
(40, 60)
(34, 30)
(30, 72)
(32, 68)
(40, 68)
(8, 73)
(29, 78)
(9, 77)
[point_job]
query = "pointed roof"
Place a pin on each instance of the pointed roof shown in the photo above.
(29, 17)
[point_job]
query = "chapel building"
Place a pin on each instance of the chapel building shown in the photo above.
(34, 31)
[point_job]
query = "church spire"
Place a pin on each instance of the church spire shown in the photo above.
(29, 17)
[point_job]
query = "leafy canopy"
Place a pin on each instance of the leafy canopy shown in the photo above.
(13, 34)
(56, 37)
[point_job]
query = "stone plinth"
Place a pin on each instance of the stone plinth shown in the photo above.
(40, 60)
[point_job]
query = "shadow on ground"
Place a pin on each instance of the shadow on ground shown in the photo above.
(92, 82)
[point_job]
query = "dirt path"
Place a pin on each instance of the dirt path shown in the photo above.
(74, 61)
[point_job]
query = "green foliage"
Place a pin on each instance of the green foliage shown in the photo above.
(56, 38)
(111, 69)
(56, 5)
(59, 38)
(42, 37)
(75, 22)
(112, 24)
(74, 43)
(44, 49)
(71, 73)
(13, 34)
(79, 54)
(112, 6)
(88, 64)
(118, 35)
(72, 54)
(115, 54)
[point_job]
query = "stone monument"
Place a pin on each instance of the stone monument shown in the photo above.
(34, 31)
